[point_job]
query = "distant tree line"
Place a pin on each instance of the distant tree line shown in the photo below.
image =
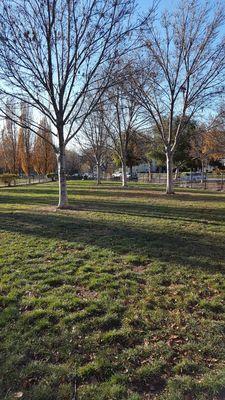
(22, 152)
(199, 146)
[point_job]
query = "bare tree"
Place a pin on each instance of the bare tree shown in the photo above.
(121, 119)
(180, 70)
(94, 137)
(55, 53)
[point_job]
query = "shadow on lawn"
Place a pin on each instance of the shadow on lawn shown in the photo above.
(199, 215)
(189, 250)
(108, 190)
(146, 192)
(172, 211)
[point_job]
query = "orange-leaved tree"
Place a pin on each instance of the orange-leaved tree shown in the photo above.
(206, 146)
(44, 157)
(9, 142)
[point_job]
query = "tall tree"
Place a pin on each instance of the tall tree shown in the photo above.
(180, 69)
(55, 53)
(25, 141)
(9, 142)
(44, 158)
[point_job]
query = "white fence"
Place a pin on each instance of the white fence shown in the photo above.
(27, 180)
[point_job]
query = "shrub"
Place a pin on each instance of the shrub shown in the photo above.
(53, 176)
(8, 179)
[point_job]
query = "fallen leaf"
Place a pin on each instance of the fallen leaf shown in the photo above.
(18, 395)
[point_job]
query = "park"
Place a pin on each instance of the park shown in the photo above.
(112, 200)
(120, 297)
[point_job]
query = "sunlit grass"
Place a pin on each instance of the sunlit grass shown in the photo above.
(124, 295)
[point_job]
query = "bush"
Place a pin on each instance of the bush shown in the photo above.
(8, 179)
(53, 176)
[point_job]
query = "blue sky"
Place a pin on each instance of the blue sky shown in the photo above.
(145, 4)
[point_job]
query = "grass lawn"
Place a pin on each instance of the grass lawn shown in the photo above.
(121, 298)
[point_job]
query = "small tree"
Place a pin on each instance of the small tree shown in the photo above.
(94, 138)
(121, 120)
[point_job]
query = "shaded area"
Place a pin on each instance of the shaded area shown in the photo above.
(165, 210)
(174, 245)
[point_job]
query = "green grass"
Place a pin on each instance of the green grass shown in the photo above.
(123, 296)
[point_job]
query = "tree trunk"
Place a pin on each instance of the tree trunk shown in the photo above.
(124, 174)
(169, 177)
(61, 160)
(176, 173)
(202, 171)
(149, 172)
(98, 174)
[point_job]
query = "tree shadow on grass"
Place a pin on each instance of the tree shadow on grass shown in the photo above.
(147, 192)
(167, 210)
(41, 193)
(168, 245)
(150, 194)
(199, 215)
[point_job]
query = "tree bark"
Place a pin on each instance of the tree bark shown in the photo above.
(169, 177)
(98, 174)
(176, 173)
(124, 174)
(149, 172)
(61, 160)
(202, 162)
